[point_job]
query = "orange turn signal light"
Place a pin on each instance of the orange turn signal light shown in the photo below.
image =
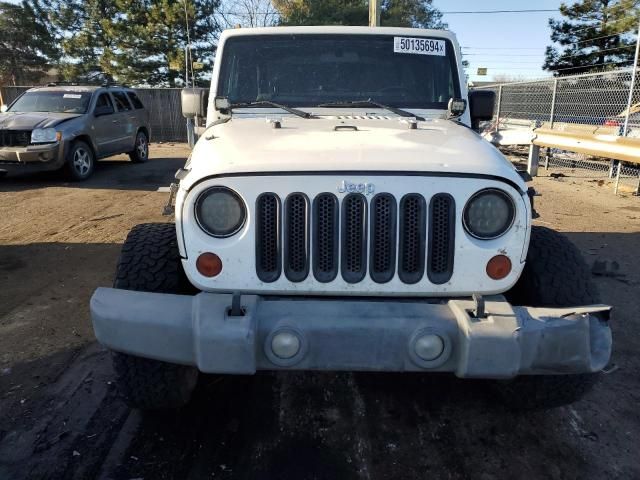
(499, 267)
(209, 264)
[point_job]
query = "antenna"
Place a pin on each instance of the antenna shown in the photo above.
(188, 59)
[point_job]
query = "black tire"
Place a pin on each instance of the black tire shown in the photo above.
(555, 275)
(80, 162)
(140, 152)
(150, 262)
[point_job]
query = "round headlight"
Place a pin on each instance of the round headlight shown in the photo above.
(220, 212)
(489, 214)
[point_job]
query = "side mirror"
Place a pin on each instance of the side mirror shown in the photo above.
(194, 102)
(481, 106)
(3, 108)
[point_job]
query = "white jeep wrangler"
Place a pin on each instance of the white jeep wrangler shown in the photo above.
(340, 213)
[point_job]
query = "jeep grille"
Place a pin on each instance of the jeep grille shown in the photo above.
(15, 138)
(317, 233)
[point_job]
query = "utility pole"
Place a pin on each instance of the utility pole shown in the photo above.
(625, 129)
(374, 13)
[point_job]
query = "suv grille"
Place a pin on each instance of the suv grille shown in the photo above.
(15, 138)
(383, 238)
(354, 237)
(296, 240)
(268, 259)
(441, 235)
(325, 240)
(342, 231)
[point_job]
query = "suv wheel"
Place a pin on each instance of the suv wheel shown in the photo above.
(555, 275)
(150, 262)
(80, 161)
(140, 153)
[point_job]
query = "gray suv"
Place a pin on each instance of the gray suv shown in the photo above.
(71, 127)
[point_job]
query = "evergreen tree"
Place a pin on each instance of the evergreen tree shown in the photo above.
(138, 42)
(594, 35)
(152, 37)
(394, 13)
(85, 33)
(27, 48)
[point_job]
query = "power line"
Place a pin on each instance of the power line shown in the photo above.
(499, 55)
(473, 12)
(499, 48)
(493, 55)
(613, 22)
(600, 38)
(591, 66)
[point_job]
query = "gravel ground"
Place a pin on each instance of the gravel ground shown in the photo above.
(60, 417)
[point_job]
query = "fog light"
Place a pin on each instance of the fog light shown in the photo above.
(429, 347)
(285, 345)
(209, 264)
(499, 267)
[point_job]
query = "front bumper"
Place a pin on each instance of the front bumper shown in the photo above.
(34, 158)
(352, 334)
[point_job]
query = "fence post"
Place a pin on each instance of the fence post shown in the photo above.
(553, 103)
(498, 109)
(534, 160)
(625, 130)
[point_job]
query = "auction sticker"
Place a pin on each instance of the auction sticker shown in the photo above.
(420, 46)
(72, 95)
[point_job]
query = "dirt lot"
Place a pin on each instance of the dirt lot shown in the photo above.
(60, 416)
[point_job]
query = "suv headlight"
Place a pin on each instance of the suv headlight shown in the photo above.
(489, 214)
(220, 212)
(45, 135)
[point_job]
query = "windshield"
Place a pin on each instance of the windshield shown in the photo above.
(54, 102)
(308, 70)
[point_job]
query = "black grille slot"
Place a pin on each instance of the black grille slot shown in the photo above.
(15, 138)
(326, 237)
(441, 238)
(413, 227)
(268, 250)
(296, 237)
(354, 237)
(382, 264)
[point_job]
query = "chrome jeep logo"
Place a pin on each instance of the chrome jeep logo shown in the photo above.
(364, 188)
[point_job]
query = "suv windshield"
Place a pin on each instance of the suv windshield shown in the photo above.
(308, 70)
(54, 102)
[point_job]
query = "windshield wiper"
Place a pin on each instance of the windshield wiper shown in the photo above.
(268, 103)
(371, 103)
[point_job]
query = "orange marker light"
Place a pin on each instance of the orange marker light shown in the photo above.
(499, 267)
(209, 264)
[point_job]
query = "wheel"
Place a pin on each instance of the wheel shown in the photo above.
(150, 262)
(140, 153)
(555, 275)
(80, 161)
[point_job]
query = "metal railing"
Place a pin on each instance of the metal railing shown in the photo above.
(163, 104)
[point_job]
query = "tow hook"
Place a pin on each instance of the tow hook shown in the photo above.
(168, 208)
(479, 310)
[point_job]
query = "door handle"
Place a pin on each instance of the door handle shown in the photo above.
(114, 121)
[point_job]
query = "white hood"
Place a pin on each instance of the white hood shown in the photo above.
(380, 144)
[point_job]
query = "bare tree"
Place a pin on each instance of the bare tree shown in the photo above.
(247, 13)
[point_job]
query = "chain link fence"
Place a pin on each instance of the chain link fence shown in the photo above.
(604, 103)
(587, 102)
(163, 105)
